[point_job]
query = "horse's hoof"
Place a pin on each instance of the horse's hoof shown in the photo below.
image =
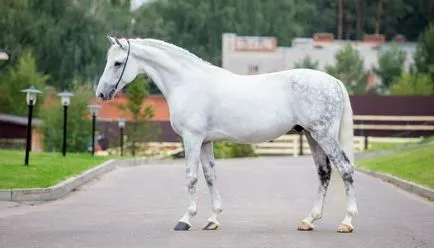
(304, 226)
(211, 226)
(344, 228)
(182, 226)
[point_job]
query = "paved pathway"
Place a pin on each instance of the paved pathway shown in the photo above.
(264, 198)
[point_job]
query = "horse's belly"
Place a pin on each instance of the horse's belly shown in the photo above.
(252, 131)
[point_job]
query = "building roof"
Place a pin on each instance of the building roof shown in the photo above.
(19, 120)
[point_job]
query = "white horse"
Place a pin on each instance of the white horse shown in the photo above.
(209, 103)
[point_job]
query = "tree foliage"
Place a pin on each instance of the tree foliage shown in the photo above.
(139, 129)
(424, 56)
(20, 77)
(349, 69)
(65, 39)
(413, 84)
(307, 62)
(226, 149)
(389, 17)
(68, 37)
(197, 25)
(79, 125)
(391, 65)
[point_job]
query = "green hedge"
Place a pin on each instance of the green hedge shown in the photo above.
(226, 149)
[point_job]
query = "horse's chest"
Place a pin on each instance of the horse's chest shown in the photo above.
(189, 120)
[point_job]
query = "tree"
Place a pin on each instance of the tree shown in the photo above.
(198, 25)
(307, 62)
(349, 68)
(139, 129)
(20, 77)
(413, 84)
(67, 37)
(79, 125)
(424, 56)
(416, 18)
(391, 65)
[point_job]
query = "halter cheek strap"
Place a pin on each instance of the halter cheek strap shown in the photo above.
(125, 66)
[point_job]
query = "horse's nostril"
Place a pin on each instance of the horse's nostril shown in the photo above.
(101, 95)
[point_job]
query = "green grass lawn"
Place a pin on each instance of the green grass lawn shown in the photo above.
(375, 146)
(44, 170)
(414, 165)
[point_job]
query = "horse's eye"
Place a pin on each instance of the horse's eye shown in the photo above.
(117, 64)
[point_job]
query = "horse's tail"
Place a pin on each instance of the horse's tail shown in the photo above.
(346, 132)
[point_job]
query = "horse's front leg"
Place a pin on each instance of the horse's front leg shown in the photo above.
(208, 165)
(192, 146)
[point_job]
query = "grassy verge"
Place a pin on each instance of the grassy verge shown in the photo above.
(44, 170)
(376, 146)
(414, 165)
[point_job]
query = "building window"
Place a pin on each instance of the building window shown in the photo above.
(253, 69)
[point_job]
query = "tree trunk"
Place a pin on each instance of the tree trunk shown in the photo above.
(378, 19)
(340, 18)
(349, 26)
(133, 140)
(429, 13)
(359, 19)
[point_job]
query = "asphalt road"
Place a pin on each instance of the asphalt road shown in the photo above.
(264, 199)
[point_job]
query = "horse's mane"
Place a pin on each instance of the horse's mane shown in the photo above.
(171, 49)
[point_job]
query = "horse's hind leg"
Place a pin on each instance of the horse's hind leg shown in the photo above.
(324, 171)
(208, 165)
(339, 159)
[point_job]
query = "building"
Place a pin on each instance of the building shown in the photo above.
(110, 113)
(13, 132)
(260, 54)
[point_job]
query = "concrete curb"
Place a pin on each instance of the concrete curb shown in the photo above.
(402, 184)
(57, 191)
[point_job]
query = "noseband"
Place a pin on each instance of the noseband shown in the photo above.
(125, 66)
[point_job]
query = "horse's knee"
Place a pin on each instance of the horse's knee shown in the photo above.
(210, 180)
(347, 176)
(191, 181)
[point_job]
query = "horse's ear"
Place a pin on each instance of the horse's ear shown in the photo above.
(120, 43)
(111, 39)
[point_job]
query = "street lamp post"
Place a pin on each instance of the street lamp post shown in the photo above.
(94, 108)
(121, 124)
(31, 95)
(4, 56)
(65, 98)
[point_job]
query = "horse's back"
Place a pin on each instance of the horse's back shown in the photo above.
(262, 107)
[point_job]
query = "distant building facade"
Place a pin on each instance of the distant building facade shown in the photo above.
(13, 132)
(258, 54)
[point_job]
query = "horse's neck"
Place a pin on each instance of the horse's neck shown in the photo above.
(158, 66)
(168, 70)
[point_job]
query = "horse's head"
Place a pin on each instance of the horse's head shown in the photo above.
(120, 69)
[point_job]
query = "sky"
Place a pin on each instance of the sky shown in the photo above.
(137, 3)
